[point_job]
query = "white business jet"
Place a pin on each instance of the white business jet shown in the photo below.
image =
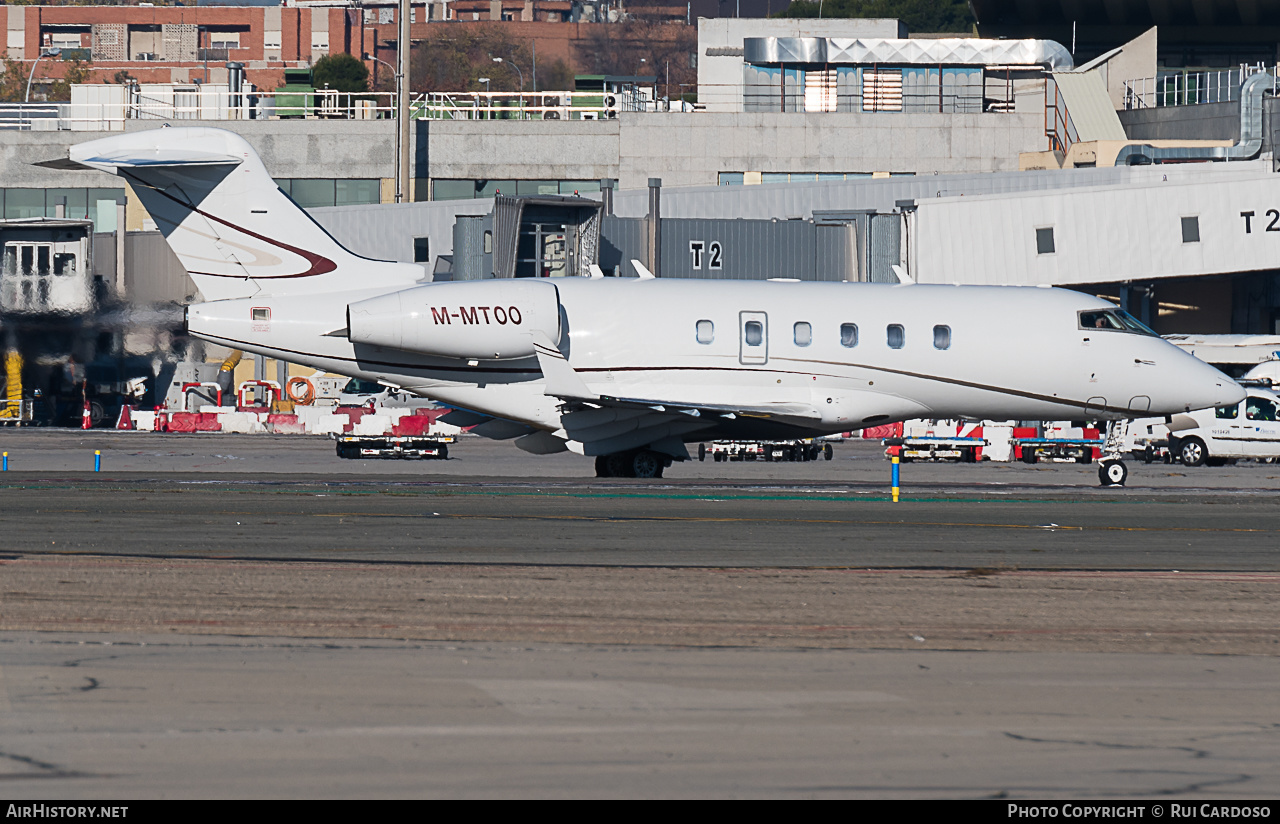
(630, 369)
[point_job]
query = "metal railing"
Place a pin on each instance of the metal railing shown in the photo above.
(106, 108)
(1190, 88)
(1058, 126)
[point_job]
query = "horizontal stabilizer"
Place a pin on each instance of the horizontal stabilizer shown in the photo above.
(149, 158)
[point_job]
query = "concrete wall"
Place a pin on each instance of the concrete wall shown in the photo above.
(691, 150)
(289, 148)
(522, 150)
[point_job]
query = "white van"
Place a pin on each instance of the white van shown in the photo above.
(1249, 429)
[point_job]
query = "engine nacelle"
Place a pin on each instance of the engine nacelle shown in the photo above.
(489, 320)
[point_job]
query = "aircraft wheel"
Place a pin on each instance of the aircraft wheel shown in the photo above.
(646, 464)
(1192, 452)
(1113, 473)
(619, 465)
(702, 451)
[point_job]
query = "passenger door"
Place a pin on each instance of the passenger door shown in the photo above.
(753, 337)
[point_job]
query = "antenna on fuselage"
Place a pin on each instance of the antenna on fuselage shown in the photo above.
(641, 271)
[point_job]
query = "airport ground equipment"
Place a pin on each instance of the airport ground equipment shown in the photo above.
(808, 449)
(935, 448)
(393, 446)
(1212, 437)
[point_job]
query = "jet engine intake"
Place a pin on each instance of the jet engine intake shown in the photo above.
(489, 320)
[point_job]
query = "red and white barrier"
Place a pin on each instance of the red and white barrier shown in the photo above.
(305, 420)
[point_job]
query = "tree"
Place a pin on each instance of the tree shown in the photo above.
(452, 58)
(341, 72)
(918, 15)
(74, 72)
(13, 80)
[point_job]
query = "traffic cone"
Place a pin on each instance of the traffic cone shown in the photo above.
(126, 418)
(86, 421)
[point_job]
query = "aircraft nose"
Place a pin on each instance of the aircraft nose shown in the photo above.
(1212, 388)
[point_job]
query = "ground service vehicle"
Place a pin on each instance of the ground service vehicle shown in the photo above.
(1248, 429)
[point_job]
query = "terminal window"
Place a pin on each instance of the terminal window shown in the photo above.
(310, 193)
(448, 189)
(1191, 230)
(1044, 241)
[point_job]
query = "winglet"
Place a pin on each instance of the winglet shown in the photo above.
(644, 273)
(903, 277)
(561, 379)
(594, 271)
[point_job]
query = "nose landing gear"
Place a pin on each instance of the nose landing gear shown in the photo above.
(1113, 473)
(1111, 470)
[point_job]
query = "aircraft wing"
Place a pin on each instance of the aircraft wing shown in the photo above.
(596, 424)
(563, 382)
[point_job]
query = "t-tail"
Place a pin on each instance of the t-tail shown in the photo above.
(231, 227)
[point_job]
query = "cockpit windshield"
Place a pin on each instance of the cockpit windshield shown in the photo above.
(1114, 320)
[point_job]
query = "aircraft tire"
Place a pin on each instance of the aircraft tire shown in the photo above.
(1192, 452)
(602, 466)
(1113, 473)
(702, 451)
(619, 465)
(646, 464)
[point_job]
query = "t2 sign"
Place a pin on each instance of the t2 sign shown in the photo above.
(1273, 225)
(711, 254)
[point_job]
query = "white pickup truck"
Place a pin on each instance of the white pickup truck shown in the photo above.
(1249, 429)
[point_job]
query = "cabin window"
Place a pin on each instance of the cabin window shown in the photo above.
(942, 337)
(1227, 412)
(1044, 241)
(1259, 409)
(706, 331)
(753, 331)
(260, 314)
(848, 335)
(803, 334)
(897, 336)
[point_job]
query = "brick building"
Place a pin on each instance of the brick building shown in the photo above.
(188, 44)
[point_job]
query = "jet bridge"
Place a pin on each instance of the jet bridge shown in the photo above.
(539, 236)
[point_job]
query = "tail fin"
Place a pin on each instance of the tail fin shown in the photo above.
(232, 228)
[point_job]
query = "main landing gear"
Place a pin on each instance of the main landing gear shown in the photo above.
(636, 463)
